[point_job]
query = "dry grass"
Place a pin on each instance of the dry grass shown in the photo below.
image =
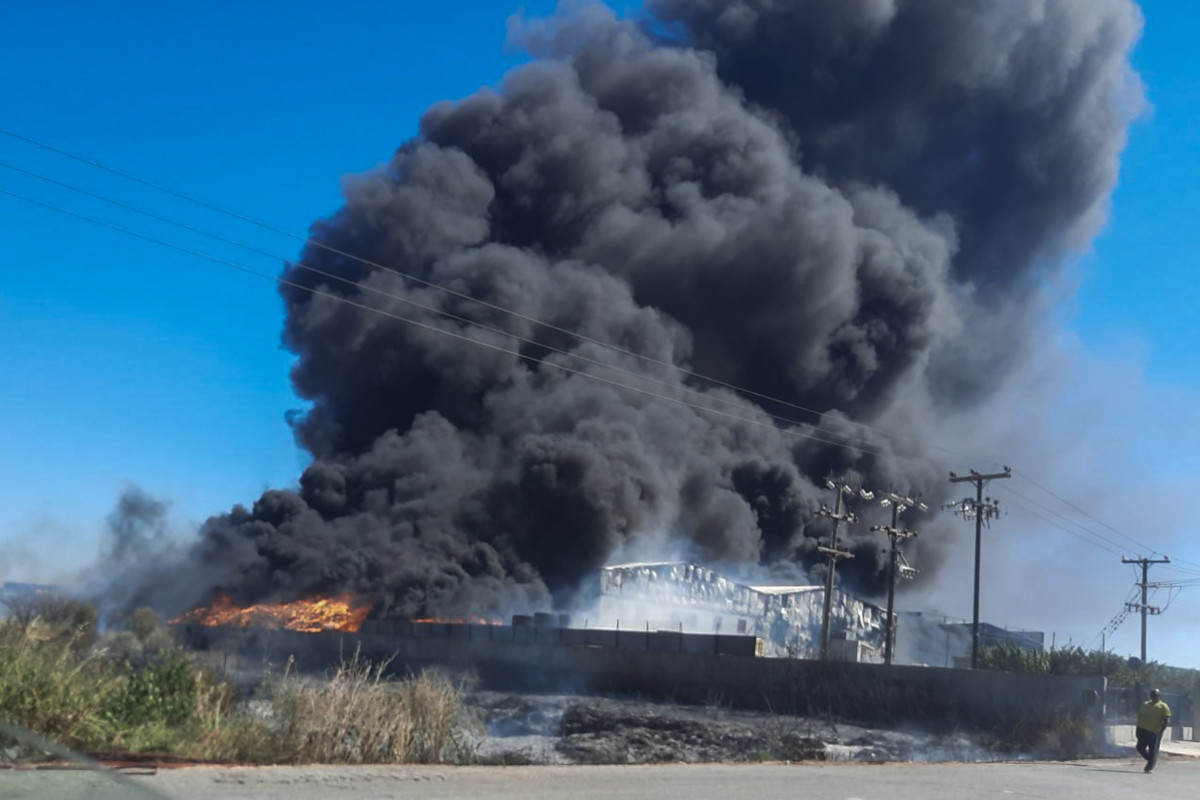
(1055, 734)
(81, 697)
(360, 715)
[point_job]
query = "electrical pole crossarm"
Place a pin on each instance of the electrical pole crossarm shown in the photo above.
(837, 517)
(979, 477)
(1144, 606)
(981, 511)
(898, 504)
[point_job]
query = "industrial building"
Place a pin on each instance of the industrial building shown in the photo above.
(934, 640)
(677, 596)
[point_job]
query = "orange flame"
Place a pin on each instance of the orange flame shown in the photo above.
(341, 613)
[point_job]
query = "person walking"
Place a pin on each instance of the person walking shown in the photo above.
(1153, 718)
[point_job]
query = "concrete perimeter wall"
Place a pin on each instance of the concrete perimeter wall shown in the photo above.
(869, 693)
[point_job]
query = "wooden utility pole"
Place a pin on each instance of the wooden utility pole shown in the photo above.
(840, 487)
(898, 503)
(982, 512)
(1143, 606)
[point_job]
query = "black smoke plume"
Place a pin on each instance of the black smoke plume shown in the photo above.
(847, 205)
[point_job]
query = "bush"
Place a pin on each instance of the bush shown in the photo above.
(1010, 658)
(60, 611)
(144, 623)
(361, 716)
(1120, 671)
(1056, 735)
(94, 703)
(48, 687)
(164, 693)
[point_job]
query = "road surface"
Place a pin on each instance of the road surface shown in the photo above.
(1094, 780)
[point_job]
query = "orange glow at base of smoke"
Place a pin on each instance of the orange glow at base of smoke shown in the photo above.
(460, 621)
(341, 613)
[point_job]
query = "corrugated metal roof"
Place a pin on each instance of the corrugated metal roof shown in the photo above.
(786, 589)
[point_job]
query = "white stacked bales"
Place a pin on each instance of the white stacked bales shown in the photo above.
(678, 596)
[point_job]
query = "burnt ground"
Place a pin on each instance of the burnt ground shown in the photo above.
(575, 729)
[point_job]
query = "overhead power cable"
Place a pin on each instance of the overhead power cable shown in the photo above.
(301, 265)
(1131, 540)
(1117, 620)
(427, 326)
(1093, 537)
(1088, 535)
(781, 421)
(416, 279)
(1029, 507)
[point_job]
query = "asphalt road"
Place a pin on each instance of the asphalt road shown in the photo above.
(1094, 780)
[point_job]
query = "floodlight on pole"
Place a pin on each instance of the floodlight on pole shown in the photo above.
(898, 503)
(840, 488)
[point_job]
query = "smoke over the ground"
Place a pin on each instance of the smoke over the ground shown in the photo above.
(848, 205)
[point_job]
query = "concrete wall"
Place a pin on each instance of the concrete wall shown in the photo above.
(552, 659)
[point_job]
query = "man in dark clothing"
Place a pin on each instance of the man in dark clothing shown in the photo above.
(1153, 718)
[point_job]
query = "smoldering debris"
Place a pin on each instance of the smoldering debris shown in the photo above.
(848, 206)
(570, 729)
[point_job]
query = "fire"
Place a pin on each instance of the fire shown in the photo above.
(341, 613)
(460, 621)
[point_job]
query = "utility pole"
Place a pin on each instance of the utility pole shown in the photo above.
(1143, 607)
(839, 487)
(899, 503)
(981, 511)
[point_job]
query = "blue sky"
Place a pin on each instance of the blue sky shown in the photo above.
(1141, 284)
(124, 363)
(127, 362)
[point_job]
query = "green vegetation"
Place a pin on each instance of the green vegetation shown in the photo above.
(1077, 661)
(136, 691)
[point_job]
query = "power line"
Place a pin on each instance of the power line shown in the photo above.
(1123, 535)
(301, 265)
(460, 295)
(1114, 623)
(896, 444)
(784, 421)
(978, 510)
(1033, 513)
(427, 326)
(1105, 543)
(449, 315)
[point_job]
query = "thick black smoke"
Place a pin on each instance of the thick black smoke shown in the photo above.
(845, 204)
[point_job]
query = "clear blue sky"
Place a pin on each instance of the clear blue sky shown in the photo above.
(123, 363)
(1143, 281)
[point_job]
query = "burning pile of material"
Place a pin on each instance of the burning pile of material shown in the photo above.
(310, 616)
(849, 205)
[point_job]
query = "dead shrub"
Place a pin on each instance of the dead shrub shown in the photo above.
(1056, 734)
(363, 716)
